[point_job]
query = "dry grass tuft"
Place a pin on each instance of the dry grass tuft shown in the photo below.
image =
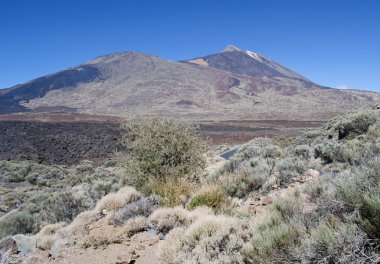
(136, 225)
(48, 234)
(165, 219)
(114, 201)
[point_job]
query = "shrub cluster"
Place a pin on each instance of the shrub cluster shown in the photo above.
(165, 147)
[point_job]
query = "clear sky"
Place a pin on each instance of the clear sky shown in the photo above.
(332, 42)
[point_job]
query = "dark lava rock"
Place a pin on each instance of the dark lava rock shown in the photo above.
(63, 143)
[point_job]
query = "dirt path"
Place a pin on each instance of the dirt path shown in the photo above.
(141, 249)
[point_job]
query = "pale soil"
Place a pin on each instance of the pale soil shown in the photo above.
(140, 248)
(113, 253)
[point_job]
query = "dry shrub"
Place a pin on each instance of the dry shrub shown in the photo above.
(174, 191)
(165, 219)
(100, 241)
(79, 222)
(210, 239)
(142, 207)
(48, 234)
(114, 201)
(136, 225)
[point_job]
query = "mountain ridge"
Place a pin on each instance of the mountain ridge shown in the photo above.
(232, 84)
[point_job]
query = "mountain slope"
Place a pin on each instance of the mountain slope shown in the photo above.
(232, 84)
(234, 60)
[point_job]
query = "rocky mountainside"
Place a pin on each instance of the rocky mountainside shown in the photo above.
(233, 84)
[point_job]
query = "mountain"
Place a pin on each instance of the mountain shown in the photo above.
(234, 60)
(232, 84)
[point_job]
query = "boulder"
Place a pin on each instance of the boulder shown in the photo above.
(25, 244)
(312, 173)
(266, 200)
(8, 247)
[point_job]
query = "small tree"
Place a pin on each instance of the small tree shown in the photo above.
(162, 148)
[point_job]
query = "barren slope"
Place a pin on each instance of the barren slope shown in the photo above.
(233, 84)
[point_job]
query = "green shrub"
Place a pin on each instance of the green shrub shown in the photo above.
(352, 125)
(56, 207)
(214, 198)
(302, 151)
(250, 176)
(289, 208)
(342, 243)
(18, 223)
(279, 233)
(86, 166)
(14, 171)
(361, 191)
(274, 240)
(165, 148)
(240, 184)
(172, 190)
(325, 152)
(288, 169)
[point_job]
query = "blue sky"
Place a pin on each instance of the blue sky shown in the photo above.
(334, 43)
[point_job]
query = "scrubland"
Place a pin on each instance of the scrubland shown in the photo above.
(309, 199)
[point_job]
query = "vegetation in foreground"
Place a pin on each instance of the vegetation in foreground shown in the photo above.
(212, 217)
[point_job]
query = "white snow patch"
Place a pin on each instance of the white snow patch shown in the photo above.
(342, 87)
(254, 55)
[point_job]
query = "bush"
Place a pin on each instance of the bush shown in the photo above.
(290, 207)
(353, 152)
(302, 151)
(18, 223)
(257, 151)
(58, 207)
(209, 239)
(251, 176)
(215, 198)
(344, 243)
(361, 191)
(173, 191)
(274, 241)
(288, 169)
(136, 225)
(142, 207)
(115, 201)
(278, 233)
(99, 241)
(86, 166)
(48, 234)
(351, 125)
(165, 219)
(165, 147)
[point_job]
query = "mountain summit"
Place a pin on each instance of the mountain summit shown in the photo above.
(231, 48)
(232, 84)
(235, 60)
